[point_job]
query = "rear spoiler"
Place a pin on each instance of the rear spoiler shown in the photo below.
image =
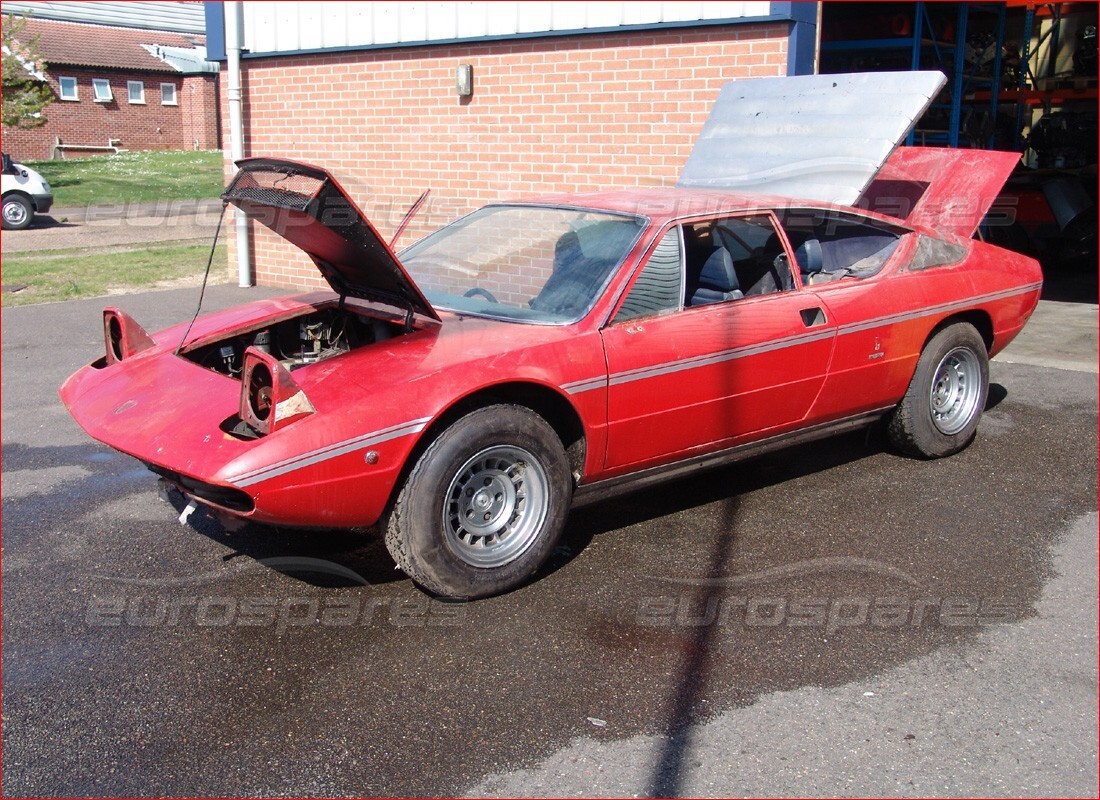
(946, 190)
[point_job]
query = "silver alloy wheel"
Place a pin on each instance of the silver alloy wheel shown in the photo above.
(495, 506)
(956, 389)
(15, 214)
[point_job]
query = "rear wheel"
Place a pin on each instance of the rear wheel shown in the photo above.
(17, 212)
(940, 411)
(484, 505)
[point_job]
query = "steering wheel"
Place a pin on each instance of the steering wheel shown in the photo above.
(477, 290)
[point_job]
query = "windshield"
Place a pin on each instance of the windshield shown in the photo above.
(522, 263)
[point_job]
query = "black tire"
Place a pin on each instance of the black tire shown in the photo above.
(484, 506)
(940, 411)
(17, 212)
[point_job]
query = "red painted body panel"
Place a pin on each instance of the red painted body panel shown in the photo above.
(307, 206)
(709, 377)
(166, 410)
(649, 392)
(952, 189)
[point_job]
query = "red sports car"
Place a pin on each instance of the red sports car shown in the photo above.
(534, 355)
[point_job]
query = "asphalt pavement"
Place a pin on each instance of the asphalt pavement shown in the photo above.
(123, 225)
(833, 620)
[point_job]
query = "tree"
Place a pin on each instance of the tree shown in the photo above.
(25, 90)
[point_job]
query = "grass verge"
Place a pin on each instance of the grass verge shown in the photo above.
(72, 274)
(136, 177)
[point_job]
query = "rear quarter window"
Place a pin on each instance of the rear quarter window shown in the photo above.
(933, 252)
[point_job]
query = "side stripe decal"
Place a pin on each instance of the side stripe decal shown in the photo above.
(727, 355)
(576, 387)
(601, 381)
(331, 451)
(956, 305)
(717, 358)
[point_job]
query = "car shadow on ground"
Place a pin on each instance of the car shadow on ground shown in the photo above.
(46, 221)
(342, 558)
(330, 558)
(710, 486)
(997, 395)
(339, 558)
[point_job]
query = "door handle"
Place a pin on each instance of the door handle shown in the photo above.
(812, 317)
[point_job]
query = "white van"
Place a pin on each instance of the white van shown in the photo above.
(25, 193)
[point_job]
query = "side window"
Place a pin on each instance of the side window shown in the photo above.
(829, 245)
(658, 288)
(756, 251)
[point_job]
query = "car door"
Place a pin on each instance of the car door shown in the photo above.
(692, 368)
(879, 332)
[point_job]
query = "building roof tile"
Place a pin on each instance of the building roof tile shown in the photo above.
(76, 44)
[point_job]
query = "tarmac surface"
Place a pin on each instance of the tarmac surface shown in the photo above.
(835, 620)
(122, 225)
(832, 620)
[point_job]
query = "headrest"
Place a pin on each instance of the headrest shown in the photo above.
(809, 257)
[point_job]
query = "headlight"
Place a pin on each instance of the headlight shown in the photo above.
(122, 337)
(258, 393)
(270, 398)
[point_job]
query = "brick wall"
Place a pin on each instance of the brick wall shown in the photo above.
(556, 114)
(151, 126)
(198, 98)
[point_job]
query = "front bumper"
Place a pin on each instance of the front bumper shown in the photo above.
(42, 203)
(225, 497)
(170, 414)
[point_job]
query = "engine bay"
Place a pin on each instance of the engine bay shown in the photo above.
(296, 342)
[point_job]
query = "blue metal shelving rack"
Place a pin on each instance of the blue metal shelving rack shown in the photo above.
(928, 51)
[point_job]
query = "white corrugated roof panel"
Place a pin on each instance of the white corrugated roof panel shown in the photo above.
(161, 16)
(281, 27)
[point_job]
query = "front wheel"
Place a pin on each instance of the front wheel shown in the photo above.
(17, 212)
(484, 505)
(940, 411)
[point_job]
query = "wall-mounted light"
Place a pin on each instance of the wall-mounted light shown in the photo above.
(464, 80)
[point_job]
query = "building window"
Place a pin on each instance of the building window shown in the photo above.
(135, 92)
(168, 94)
(68, 89)
(101, 88)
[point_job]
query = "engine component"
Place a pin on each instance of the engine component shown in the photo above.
(262, 341)
(294, 342)
(270, 399)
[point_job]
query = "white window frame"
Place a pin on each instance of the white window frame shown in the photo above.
(97, 85)
(140, 101)
(175, 95)
(61, 88)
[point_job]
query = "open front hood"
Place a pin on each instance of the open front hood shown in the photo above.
(307, 207)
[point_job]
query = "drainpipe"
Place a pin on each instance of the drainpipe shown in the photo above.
(234, 43)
